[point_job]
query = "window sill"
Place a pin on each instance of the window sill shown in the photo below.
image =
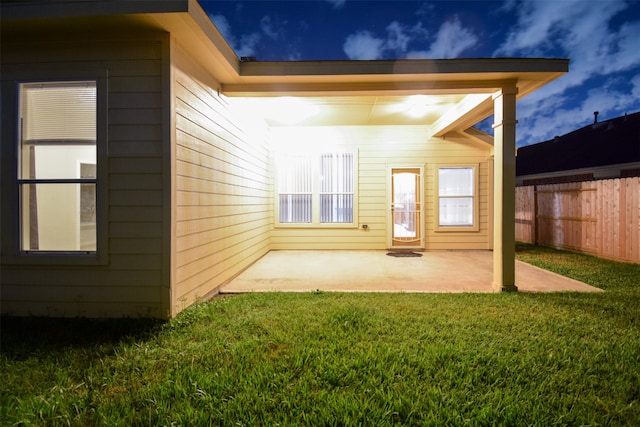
(456, 229)
(318, 226)
(55, 258)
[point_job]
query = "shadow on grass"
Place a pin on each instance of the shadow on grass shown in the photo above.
(23, 336)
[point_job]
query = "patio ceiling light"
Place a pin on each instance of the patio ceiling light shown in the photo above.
(290, 111)
(419, 105)
(286, 110)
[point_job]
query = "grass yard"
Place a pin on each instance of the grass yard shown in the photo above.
(343, 359)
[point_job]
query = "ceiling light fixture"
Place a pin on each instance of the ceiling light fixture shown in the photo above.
(419, 105)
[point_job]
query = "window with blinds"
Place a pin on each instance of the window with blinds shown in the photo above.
(295, 189)
(316, 188)
(57, 166)
(336, 188)
(456, 196)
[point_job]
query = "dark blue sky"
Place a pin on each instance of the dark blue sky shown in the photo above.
(601, 37)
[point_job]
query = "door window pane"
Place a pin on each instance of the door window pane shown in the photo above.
(406, 211)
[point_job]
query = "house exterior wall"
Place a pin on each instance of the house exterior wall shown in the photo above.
(378, 148)
(222, 186)
(126, 278)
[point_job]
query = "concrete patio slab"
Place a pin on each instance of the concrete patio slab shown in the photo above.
(375, 271)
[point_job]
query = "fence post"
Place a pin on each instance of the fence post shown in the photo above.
(535, 215)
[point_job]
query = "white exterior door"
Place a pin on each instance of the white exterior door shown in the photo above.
(406, 219)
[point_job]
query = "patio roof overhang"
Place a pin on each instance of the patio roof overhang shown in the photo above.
(457, 93)
(343, 92)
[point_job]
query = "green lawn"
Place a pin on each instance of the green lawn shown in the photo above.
(343, 359)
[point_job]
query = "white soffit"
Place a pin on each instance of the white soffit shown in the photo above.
(355, 110)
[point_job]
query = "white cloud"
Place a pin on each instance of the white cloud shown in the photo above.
(222, 24)
(363, 45)
(248, 42)
(582, 31)
(273, 28)
(539, 123)
(396, 39)
(337, 3)
(635, 85)
(575, 28)
(267, 27)
(451, 40)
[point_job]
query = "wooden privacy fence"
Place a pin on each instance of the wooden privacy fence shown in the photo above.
(601, 218)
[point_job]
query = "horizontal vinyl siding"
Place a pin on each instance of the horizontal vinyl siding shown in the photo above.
(223, 192)
(130, 283)
(379, 147)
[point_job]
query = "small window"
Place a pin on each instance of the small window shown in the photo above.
(57, 166)
(457, 198)
(316, 189)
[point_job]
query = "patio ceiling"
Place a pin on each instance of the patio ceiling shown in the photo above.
(356, 110)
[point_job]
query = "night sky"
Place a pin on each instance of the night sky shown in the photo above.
(601, 38)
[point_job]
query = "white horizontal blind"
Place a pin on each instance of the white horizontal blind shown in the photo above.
(64, 111)
(295, 188)
(456, 196)
(336, 187)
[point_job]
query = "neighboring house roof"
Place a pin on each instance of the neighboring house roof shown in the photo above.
(610, 142)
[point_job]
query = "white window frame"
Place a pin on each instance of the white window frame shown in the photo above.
(315, 161)
(475, 226)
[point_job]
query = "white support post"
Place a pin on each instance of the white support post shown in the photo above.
(504, 235)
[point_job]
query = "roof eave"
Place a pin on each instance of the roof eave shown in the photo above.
(184, 19)
(24, 10)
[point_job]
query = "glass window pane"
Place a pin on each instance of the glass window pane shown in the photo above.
(336, 187)
(336, 208)
(59, 111)
(456, 211)
(405, 189)
(295, 186)
(295, 208)
(58, 161)
(294, 174)
(58, 217)
(315, 188)
(58, 135)
(336, 173)
(455, 181)
(57, 129)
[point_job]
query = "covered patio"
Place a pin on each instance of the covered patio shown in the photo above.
(375, 271)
